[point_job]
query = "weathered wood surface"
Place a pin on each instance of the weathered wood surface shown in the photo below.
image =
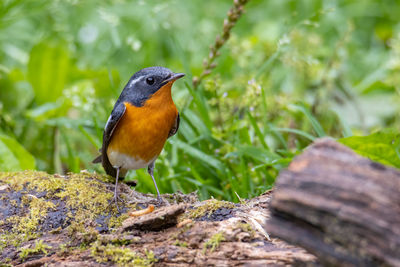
(341, 207)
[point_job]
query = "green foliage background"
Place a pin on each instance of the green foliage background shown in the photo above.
(291, 71)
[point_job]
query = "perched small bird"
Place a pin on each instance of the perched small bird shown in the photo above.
(142, 119)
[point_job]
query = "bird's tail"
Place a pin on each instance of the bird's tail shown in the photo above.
(97, 160)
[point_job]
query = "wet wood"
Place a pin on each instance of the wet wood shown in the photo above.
(339, 206)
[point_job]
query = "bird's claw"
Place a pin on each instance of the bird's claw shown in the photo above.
(161, 201)
(115, 200)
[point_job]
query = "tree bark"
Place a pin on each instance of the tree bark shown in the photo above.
(341, 207)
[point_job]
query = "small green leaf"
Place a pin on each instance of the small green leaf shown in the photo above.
(13, 156)
(381, 146)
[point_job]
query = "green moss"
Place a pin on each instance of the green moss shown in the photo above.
(116, 222)
(84, 235)
(120, 240)
(208, 207)
(63, 249)
(247, 228)
(179, 243)
(80, 189)
(89, 194)
(40, 248)
(121, 255)
(6, 262)
(31, 180)
(26, 225)
(213, 242)
(85, 195)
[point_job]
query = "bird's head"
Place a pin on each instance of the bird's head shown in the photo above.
(144, 83)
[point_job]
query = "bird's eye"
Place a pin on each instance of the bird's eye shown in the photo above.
(150, 80)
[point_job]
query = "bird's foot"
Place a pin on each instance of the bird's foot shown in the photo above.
(115, 200)
(162, 201)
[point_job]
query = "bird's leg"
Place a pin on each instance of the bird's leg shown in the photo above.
(116, 188)
(150, 170)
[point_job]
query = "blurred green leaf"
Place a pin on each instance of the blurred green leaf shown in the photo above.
(256, 153)
(257, 130)
(199, 155)
(295, 131)
(314, 122)
(13, 156)
(12, 87)
(197, 123)
(48, 110)
(48, 70)
(201, 104)
(381, 146)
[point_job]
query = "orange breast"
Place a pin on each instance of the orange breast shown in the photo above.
(142, 131)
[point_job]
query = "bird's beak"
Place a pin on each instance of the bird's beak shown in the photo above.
(175, 77)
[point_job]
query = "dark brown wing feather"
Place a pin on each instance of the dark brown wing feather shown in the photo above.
(174, 128)
(97, 159)
(111, 124)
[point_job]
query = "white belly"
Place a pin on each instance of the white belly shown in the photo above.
(124, 161)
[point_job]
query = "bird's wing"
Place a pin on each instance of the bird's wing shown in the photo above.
(175, 127)
(111, 125)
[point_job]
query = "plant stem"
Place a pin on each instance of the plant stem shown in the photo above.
(233, 16)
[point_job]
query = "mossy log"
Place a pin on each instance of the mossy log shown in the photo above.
(339, 206)
(57, 220)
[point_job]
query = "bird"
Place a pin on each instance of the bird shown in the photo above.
(143, 118)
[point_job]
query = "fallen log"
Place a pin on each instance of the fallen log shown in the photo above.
(341, 207)
(54, 220)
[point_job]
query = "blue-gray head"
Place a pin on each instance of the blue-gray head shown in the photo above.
(146, 82)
